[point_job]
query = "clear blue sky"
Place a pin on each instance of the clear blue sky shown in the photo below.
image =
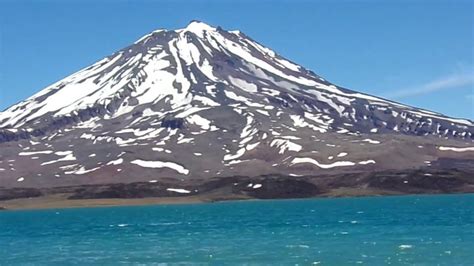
(416, 52)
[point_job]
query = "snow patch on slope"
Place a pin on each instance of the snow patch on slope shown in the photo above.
(160, 164)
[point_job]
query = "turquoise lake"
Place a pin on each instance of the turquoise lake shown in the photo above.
(402, 230)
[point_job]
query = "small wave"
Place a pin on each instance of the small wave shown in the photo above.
(297, 246)
(405, 246)
(168, 223)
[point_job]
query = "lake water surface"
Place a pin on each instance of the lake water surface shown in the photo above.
(405, 230)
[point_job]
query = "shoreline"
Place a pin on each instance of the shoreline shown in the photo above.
(62, 202)
(54, 202)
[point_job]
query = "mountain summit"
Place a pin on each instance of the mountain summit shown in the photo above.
(201, 104)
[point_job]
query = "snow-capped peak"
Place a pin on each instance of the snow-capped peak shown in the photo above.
(188, 65)
(198, 28)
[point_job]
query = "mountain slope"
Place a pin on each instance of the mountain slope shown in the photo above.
(201, 102)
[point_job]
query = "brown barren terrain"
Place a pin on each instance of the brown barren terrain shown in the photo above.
(240, 188)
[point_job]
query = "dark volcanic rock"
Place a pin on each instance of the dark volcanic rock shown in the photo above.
(121, 191)
(421, 182)
(172, 123)
(18, 193)
(269, 186)
(280, 189)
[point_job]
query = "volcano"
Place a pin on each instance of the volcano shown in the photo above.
(204, 111)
